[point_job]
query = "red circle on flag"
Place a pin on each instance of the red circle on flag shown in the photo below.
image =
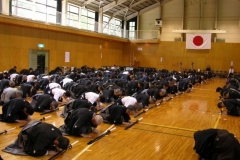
(198, 40)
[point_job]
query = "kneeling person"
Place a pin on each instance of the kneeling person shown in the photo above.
(38, 139)
(81, 122)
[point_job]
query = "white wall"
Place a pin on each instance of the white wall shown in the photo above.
(198, 14)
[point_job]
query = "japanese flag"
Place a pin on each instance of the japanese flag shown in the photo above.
(198, 41)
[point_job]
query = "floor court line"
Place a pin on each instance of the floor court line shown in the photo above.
(171, 127)
(163, 133)
(88, 146)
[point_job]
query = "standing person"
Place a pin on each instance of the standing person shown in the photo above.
(38, 139)
(231, 71)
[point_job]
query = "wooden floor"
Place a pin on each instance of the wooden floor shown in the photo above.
(164, 133)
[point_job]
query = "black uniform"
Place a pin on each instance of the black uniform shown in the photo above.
(13, 110)
(41, 102)
(78, 122)
(36, 138)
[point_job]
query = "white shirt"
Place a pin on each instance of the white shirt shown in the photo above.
(57, 92)
(231, 70)
(46, 77)
(30, 78)
(91, 97)
(13, 76)
(128, 100)
(54, 85)
(66, 80)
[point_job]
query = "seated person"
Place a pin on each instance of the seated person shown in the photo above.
(119, 115)
(38, 139)
(232, 106)
(41, 102)
(81, 122)
(17, 110)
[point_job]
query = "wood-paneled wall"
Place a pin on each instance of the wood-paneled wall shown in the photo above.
(172, 53)
(18, 37)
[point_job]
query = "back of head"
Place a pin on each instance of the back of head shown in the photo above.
(139, 106)
(102, 99)
(19, 93)
(163, 91)
(54, 104)
(67, 93)
(220, 104)
(98, 119)
(11, 83)
(30, 109)
(218, 89)
(63, 142)
(132, 108)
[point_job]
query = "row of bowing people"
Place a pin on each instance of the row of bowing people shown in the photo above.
(83, 105)
(230, 96)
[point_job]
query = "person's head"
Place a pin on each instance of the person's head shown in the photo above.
(33, 91)
(11, 83)
(152, 100)
(139, 106)
(61, 142)
(117, 92)
(131, 110)
(101, 99)
(220, 105)
(97, 120)
(66, 94)
(14, 67)
(19, 93)
(219, 89)
(162, 92)
(53, 105)
(28, 110)
(226, 94)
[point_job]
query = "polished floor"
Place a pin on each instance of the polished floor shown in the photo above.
(164, 133)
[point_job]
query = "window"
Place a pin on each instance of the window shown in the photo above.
(43, 10)
(73, 15)
(22, 8)
(113, 26)
(87, 19)
(132, 30)
(46, 10)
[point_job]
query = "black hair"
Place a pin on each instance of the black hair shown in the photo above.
(63, 142)
(67, 93)
(102, 99)
(30, 109)
(219, 104)
(33, 92)
(218, 89)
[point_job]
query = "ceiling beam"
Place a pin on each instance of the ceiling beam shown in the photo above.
(87, 2)
(142, 11)
(113, 4)
(131, 6)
